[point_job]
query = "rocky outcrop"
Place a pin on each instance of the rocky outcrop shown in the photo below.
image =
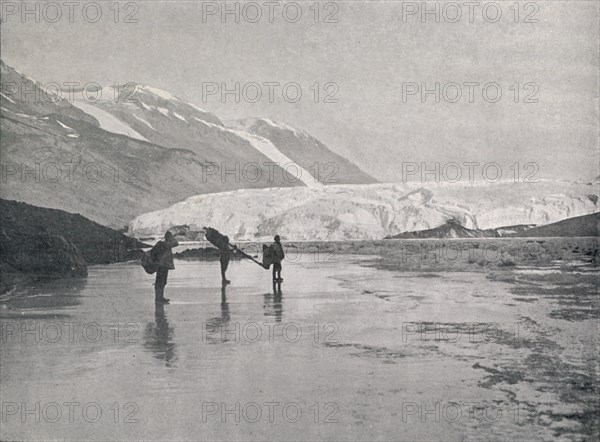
(97, 244)
(43, 255)
(452, 229)
(39, 242)
(580, 226)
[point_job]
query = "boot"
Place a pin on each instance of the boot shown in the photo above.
(159, 297)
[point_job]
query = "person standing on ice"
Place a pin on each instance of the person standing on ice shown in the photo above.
(162, 255)
(224, 258)
(277, 256)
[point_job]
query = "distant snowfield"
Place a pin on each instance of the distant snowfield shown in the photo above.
(370, 211)
(294, 171)
(268, 149)
(107, 121)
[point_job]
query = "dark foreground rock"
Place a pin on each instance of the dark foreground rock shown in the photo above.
(45, 255)
(38, 242)
(97, 244)
(39, 256)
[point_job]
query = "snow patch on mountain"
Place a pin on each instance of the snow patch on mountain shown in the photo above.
(199, 109)
(268, 149)
(7, 98)
(64, 126)
(371, 211)
(163, 111)
(107, 121)
(295, 172)
(22, 115)
(246, 123)
(283, 126)
(161, 93)
(141, 120)
(176, 115)
(327, 166)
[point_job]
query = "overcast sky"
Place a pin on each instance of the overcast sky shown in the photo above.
(369, 53)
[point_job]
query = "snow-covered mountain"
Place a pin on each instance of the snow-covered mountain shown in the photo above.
(157, 116)
(57, 155)
(375, 211)
(152, 149)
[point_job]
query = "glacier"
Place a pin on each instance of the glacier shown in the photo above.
(370, 211)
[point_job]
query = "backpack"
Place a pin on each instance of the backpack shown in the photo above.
(148, 262)
(267, 256)
(277, 252)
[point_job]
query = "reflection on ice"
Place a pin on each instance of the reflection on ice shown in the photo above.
(158, 337)
(273, 303)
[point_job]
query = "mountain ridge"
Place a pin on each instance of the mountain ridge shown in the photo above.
(165, 119)
(46, 141)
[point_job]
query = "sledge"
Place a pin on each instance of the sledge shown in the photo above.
(218, 240)
(214, 237)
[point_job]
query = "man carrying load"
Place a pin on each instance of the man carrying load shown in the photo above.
(277, 256)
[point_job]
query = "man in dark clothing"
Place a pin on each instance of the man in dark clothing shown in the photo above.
(224, 258)
(278, 256)
(163, 257)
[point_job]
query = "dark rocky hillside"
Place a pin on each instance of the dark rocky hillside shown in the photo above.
(579, 226)
(452, 229)
(98, 244)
